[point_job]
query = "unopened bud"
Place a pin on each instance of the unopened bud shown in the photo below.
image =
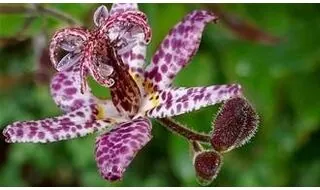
(235, 124)
(207, 165)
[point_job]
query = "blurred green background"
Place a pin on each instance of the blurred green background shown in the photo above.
(272, 50)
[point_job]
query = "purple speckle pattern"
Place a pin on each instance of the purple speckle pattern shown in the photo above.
(181, 100)
(135, 58)
(122, 7)
(177, 48)
(74, 124)
(116, 149)
(100, 14)
(65, 90)
(124, 30)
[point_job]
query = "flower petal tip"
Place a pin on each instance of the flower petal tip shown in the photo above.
(7, 132)
(100, 14)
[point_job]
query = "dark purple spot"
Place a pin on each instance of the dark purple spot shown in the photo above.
(41, 135)
(158, 77)
(181, 29)
(56, 87)
(20, 133)
(116, 161)
(140, 56)
(80, 114)
(160, 53)
(124, 150)
(155, 59)
(67, 82)
(115, 169)
(164, 68)
(70, 91)
(32, 134)
(166, 43)
(168, 58)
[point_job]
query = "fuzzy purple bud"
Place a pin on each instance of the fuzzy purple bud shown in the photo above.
(235, 124)
(207, 165)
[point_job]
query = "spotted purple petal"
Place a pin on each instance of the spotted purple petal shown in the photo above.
(100, 14)
(80, 122)
(178, 48)
(122, 7)
(65, 90)
(181, 100)
(132, 48)
(116, 149)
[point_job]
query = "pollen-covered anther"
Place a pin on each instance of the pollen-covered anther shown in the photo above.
(207, 165)
(235, 124)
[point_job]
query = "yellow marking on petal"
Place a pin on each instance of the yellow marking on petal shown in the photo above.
(136, 77)
(149, 102)
(155, 99)
(101, 113)
(148, 86)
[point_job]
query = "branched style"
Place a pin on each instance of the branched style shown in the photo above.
(117, 32)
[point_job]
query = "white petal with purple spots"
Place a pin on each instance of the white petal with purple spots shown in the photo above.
(181, 100)
(116, 149)
(65, 90)
(177, 48)
(122, 7)
(77, 123)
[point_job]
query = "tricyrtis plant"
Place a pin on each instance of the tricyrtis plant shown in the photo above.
(114, 54)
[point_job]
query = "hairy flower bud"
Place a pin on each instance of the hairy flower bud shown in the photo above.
(234, 125)
(207, 165)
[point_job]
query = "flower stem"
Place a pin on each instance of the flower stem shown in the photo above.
(196, 147)
(183, 131)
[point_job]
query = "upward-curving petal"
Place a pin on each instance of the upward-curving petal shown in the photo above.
(128, 28)
(122, 7)
(68, 39)
(177, 48)
(65, 90)
(135, 58)
(80, 122)
(116, 149)
(174, 102)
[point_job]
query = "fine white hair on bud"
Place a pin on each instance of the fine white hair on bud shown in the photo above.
(207, 165)
(235, 124)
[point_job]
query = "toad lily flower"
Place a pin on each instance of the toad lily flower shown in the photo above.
(138, 93)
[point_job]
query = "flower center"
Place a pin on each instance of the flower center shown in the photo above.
(108, 69)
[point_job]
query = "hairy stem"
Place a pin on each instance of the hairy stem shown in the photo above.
(183, 131)
(196, 147)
